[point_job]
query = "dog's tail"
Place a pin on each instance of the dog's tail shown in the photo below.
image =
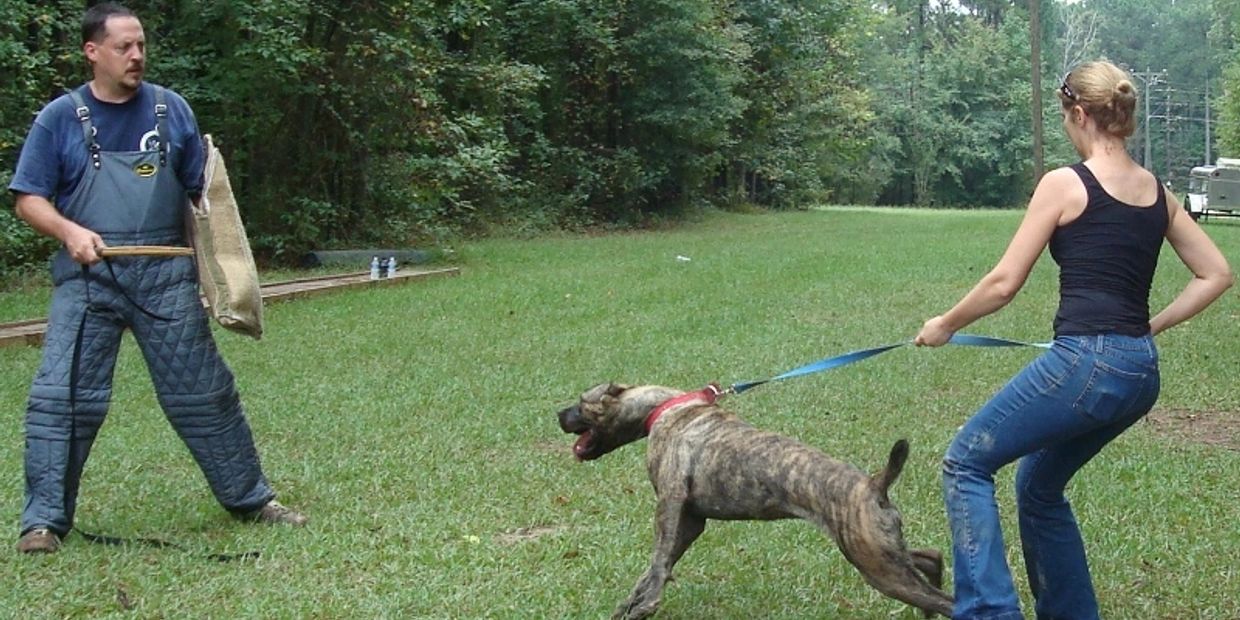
(895, 464)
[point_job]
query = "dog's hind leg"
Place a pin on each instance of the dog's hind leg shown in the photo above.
(675, 530)
(904, 582)
(901, 580)
(872, 540)
(930, 563)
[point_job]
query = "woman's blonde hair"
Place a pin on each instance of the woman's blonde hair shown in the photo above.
(1106, 93)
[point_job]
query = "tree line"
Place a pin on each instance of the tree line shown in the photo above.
(409, 122)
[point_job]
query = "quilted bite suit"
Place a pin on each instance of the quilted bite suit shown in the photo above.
(131, 198)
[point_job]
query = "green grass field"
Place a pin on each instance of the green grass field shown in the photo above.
(415, 425)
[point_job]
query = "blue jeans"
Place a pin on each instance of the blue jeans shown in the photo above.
(1054, 416)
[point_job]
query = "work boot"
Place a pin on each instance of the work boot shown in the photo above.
(275, 512)
(39, 540)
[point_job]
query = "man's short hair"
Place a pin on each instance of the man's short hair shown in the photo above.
(95, 20)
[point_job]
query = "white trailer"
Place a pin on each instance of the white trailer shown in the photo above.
(1214, 190)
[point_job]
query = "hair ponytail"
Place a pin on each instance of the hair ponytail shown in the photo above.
(1106, 93)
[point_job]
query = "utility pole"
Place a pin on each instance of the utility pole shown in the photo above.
(1148, 79)
(1167, 136)
(1207, 161)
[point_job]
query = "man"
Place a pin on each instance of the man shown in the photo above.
(110, 164)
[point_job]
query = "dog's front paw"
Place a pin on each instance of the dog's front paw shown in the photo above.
(628, 611)
(644, 600)
(636, 607)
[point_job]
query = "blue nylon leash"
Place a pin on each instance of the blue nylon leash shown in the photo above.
(967, 340)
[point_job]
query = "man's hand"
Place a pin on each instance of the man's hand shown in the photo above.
(83, 244)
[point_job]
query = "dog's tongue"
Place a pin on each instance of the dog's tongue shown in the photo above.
(583, 444)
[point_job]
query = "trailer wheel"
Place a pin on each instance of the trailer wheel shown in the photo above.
(1193, 214)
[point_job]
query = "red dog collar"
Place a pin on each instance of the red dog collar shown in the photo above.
(704, 396)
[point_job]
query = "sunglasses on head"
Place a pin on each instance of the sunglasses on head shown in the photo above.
(1067, 90)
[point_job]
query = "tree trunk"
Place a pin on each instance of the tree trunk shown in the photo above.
(1035, 75)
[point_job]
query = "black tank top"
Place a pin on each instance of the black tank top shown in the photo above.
(1106, 259)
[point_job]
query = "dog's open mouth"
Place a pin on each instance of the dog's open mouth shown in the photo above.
(584, 448)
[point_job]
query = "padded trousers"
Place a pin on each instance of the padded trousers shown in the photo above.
(194, 386)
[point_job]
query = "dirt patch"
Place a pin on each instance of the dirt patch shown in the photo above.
(1214, 428)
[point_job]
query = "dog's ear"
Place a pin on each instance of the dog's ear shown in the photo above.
(611, 395)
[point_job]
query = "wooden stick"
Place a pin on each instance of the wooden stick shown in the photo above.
(144, 250)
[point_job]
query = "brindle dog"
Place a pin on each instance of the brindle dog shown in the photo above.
(705, 463)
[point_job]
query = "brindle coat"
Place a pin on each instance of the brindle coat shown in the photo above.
(705, 463)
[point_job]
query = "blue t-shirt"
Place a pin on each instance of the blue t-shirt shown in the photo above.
(55, 153)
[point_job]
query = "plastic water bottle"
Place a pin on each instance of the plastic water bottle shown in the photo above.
(374, 268)
(392, 267)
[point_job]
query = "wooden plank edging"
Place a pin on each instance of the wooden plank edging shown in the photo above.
(30, 332)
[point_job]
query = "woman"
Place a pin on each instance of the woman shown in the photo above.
(1105, 219)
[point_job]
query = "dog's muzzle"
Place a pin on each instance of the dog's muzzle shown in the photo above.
(584, 448)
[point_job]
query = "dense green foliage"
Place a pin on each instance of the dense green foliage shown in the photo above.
(405, 122)
(1178, 65)
(1224, 40)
